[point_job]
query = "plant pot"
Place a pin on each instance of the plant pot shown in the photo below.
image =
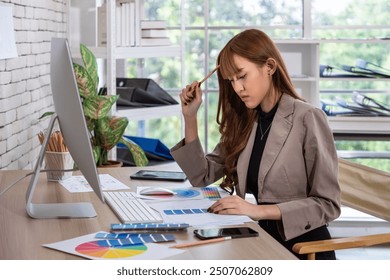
(112, 164)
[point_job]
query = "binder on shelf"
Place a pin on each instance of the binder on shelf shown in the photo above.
(362, 69)
(125, 17)
(141, 92)
(361, 105)
(127, 27)
(102, 26)
(373, 68)
(334, 72)
(118, 30)
(371, 104)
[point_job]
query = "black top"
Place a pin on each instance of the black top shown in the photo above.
(263, 128)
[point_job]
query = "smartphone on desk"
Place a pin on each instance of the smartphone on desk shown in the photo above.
(236, 232)
(176, 176)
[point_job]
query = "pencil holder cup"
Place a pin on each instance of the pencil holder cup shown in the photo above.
(58, 161)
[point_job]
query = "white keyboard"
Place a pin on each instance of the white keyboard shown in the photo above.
(131, 209)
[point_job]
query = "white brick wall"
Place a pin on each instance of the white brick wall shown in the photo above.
(25, 92)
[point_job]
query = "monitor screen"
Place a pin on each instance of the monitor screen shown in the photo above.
(70, 115)
(68, 107)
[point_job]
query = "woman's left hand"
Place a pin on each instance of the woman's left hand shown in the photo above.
(234, 205)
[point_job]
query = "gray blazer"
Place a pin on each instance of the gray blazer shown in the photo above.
(298, 170)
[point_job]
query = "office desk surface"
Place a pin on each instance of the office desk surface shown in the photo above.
(21, 237)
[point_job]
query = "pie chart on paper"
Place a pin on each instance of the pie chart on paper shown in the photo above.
(102, 249)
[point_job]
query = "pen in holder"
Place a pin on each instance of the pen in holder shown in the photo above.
(57, 157)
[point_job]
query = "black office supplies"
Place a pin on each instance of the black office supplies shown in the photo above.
(158, 175)
(141, 92)
(236, 232)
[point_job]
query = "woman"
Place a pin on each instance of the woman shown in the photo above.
(273, 145)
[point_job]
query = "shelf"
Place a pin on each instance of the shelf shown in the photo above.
(301, 58)
(133, 52)
(355, 41)
(349, 79)
(338, 41)
(360, 125)
(363, 154)
(303, 79)
(136, 114)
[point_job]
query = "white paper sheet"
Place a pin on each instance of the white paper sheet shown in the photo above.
(85, 246)
(202, 219)
(7, 34)
(79, 184)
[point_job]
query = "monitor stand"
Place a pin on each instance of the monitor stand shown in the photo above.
(53, 210)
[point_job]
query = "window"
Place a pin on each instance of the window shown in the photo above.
(342, 25)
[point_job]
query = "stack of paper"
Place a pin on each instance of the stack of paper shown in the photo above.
(154, 33)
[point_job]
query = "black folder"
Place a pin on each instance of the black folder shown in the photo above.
(141, 92)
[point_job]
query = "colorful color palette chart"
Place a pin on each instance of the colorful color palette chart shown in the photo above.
(114, 246)
(186, 193)
(185, 211)
(211, 193)
(110, 249)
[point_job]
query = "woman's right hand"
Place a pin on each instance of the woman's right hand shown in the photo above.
(191, 99)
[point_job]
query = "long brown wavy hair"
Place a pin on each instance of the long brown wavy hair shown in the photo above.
(235, 120)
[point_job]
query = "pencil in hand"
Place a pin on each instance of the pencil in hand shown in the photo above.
(192, 90)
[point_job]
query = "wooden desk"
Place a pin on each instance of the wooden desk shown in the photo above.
(21, 237)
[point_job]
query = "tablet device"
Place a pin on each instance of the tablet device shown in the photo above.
(177, 176)
(237, 232)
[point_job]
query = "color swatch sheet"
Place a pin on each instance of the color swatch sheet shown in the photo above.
(90, 247)
(135, 238)
(211, 193)
(194, 212)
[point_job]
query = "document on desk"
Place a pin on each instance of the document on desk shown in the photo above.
(90, 247)
(80, 184)
(194, 213)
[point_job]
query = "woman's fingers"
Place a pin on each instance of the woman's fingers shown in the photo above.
(189, 93)
(227, 205)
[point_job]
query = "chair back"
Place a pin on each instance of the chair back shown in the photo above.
(365, 189)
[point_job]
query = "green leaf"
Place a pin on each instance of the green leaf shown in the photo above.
(90, 64)
(85, 83)
(91, 123)
(139, 155)
(44, 115)
(96, 153)
(96, 107)
(110, 130)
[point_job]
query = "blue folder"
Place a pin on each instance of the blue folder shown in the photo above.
(154, 149)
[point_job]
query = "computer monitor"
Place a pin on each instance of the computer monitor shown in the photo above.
(70, 116)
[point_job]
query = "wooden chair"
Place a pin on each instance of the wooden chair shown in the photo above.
(362, 188)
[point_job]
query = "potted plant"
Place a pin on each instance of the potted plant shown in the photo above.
(106, 131)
